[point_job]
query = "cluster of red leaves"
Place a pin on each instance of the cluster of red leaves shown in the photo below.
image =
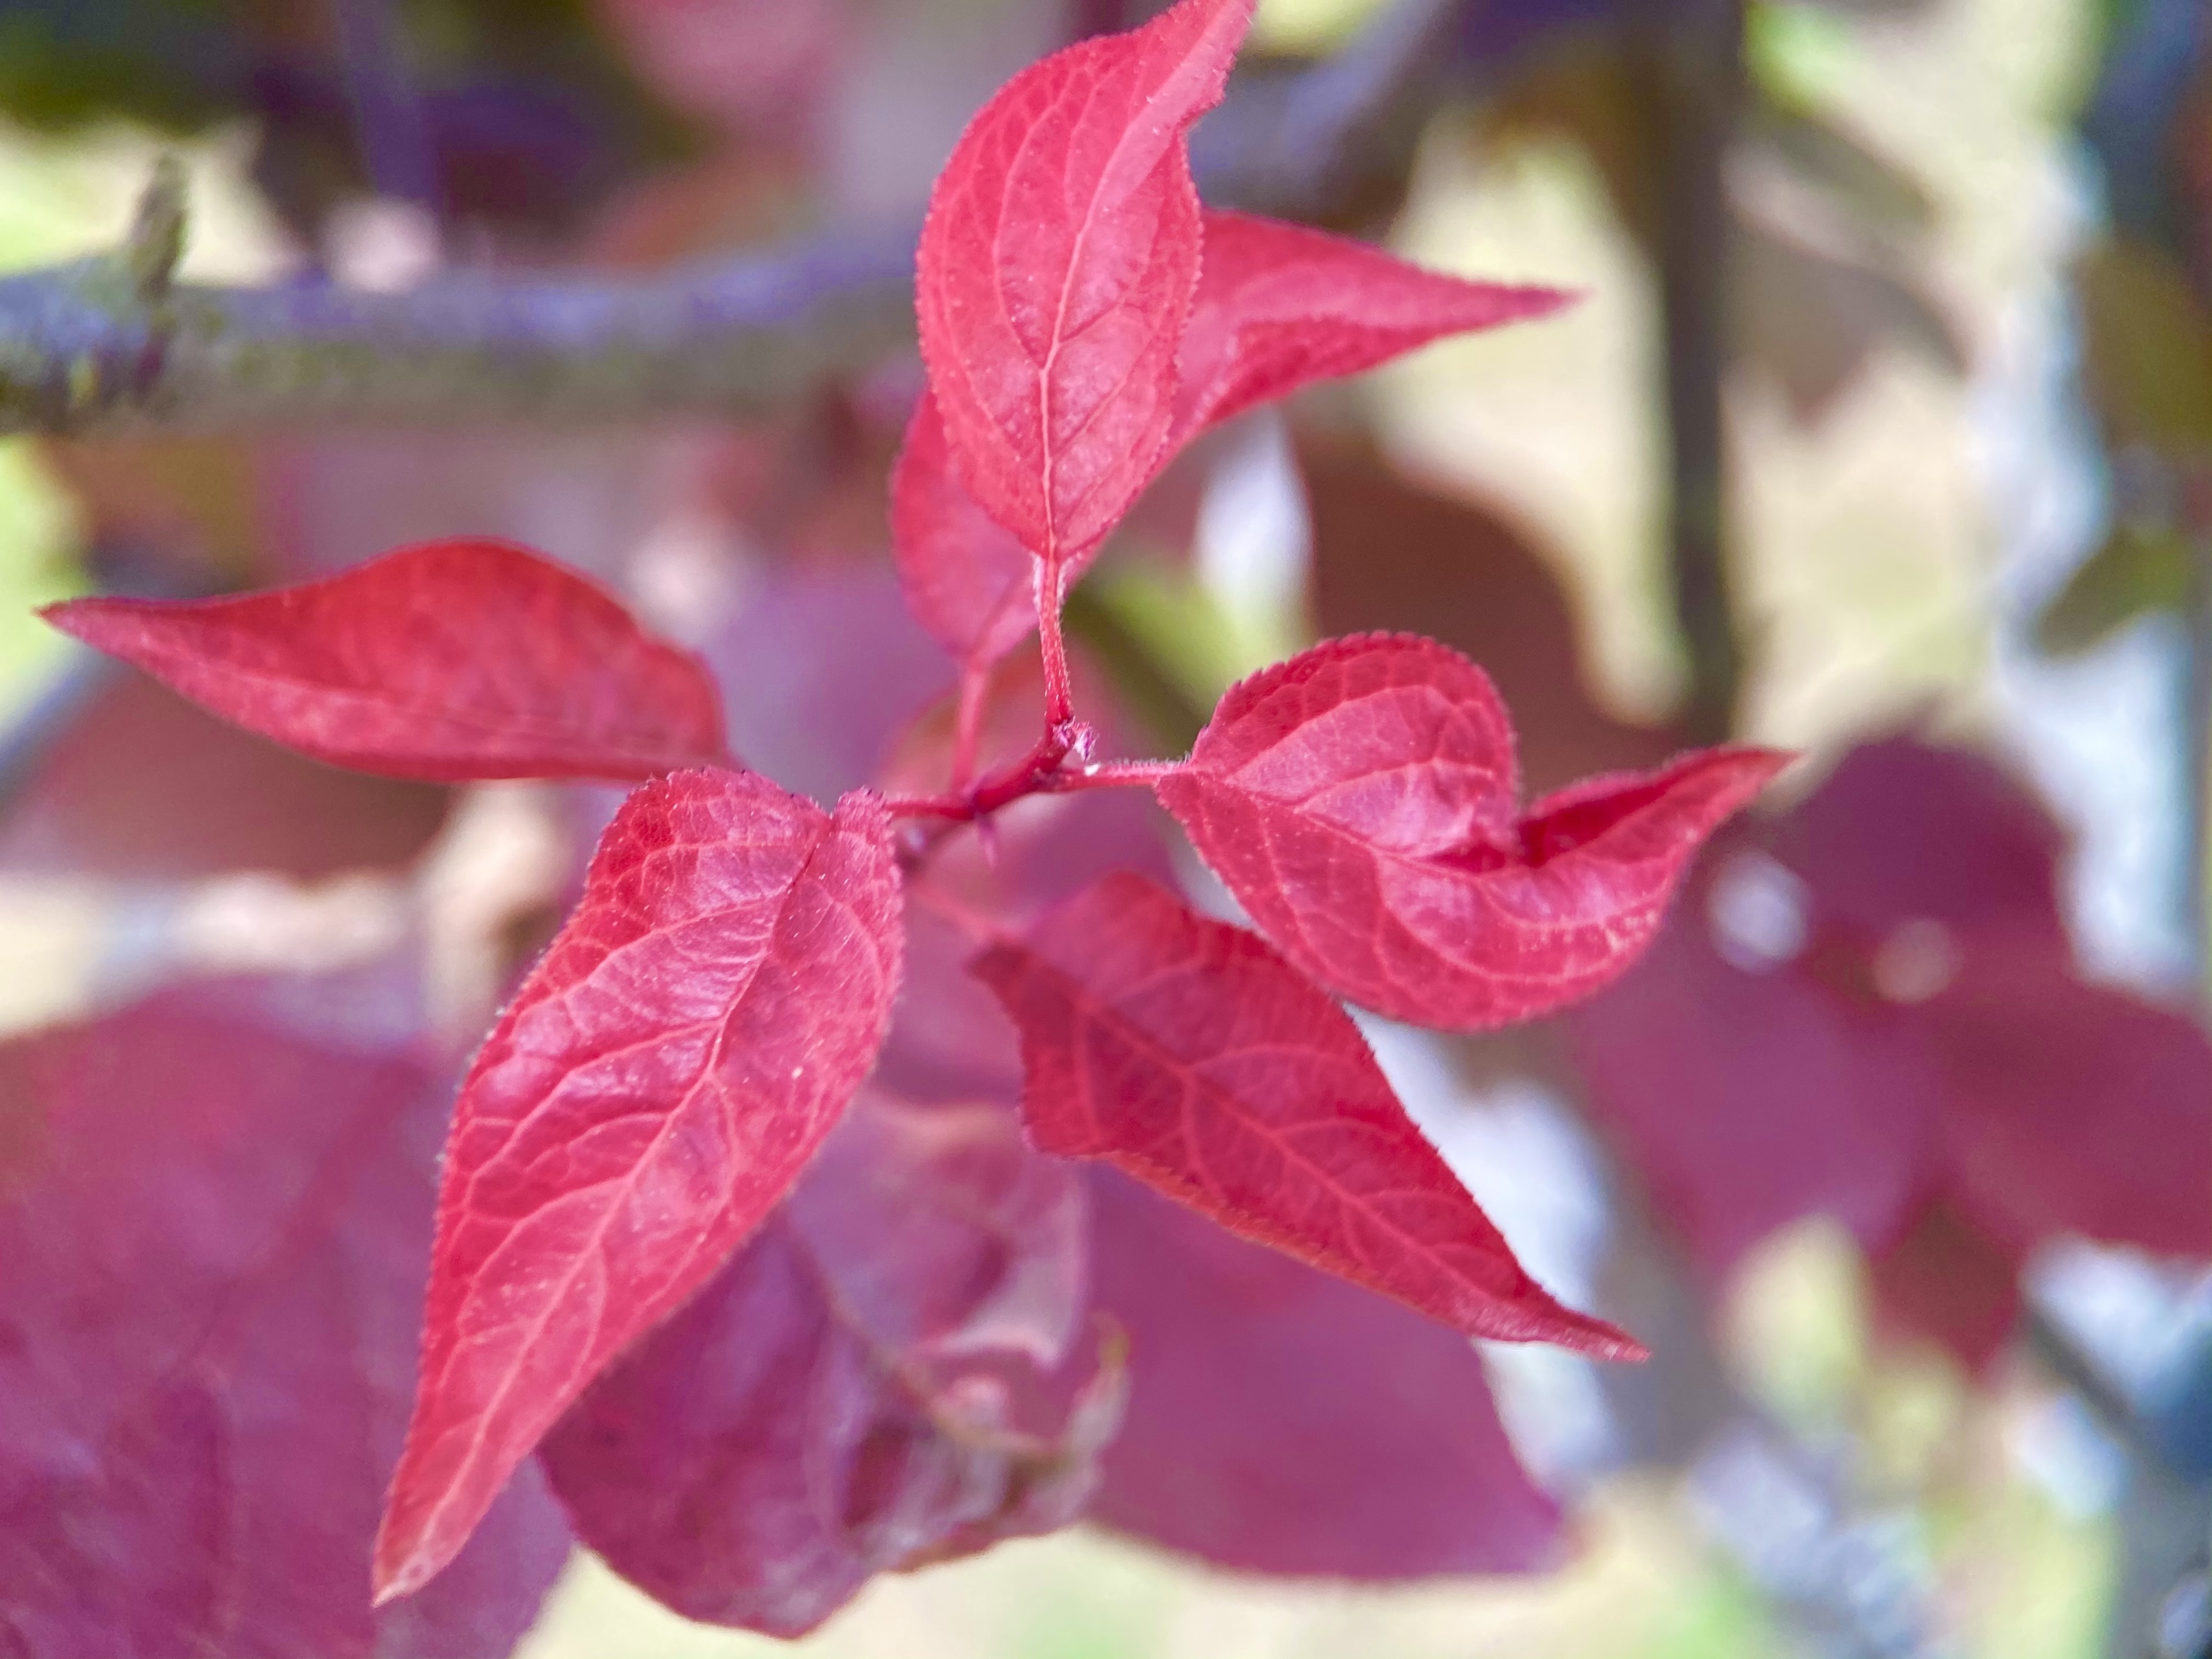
(766, 1341)
(1868, 1009)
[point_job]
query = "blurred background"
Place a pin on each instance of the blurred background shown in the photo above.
(1882, 430)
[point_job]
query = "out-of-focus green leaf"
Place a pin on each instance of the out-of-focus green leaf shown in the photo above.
(2140, 568)
(1178, 622)
(1801, 50)
(1720, 1617)
(2147, 348)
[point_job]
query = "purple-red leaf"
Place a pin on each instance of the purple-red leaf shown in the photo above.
(1281, 1420)
(1746, 1103)
(844, 1400)
(1869, 1010)
(1280, 307)
(142, 786)
(652, 1092)
(1361, 802)
(1188, 1054)
(967, 580)
(214, 1220)
(825, 666)
(2072, 1107)
(1056, 270)
(447, 661)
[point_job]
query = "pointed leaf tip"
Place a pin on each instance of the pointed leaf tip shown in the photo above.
(1280, 307)
(1187, 1053)
(1361, 802)
(651, 1094)
(448, 661)
(1056, 269)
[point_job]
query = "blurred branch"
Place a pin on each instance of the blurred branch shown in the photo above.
(1688, 66)
(83, 346)
(2197, 756)
(94, 345)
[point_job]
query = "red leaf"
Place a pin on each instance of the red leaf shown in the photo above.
(840, 1402)
(2073, 1108)
(1943, 1280)
(967, 580)
(754, 68)
(825, 666)
(1281, 1420)
(212, 1228)
(1902, 831)
(1869, 1010)
(1056, 269)
(1745, 1103)
(142, 786)
(1187, 1053)
(447, 661)
(1280, 307)
(650, 1095)
(1360, 801)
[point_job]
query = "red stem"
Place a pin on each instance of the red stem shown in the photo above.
(1113, 774)
(1042, 771)
(1052, 644)
(968, 726)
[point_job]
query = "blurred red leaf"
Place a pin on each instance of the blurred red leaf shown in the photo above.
(967, 580)
(949, 1038)
(2072, 1107)
(844, 1400)
(213, 1227)
(1281, 1420)
(447, 661)
(1747, 1103)
(1360, 801)
(1056, 269)
(648, 1097)
(1868, 1010)
(753, 66)
(1187, 1053)
(1941, 1277)
(1903, 831)
(1279, 307)
(142, 786)
(824, 667)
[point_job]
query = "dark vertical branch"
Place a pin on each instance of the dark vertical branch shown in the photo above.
(1688, 65)
(396, 151)
(2195, 492)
